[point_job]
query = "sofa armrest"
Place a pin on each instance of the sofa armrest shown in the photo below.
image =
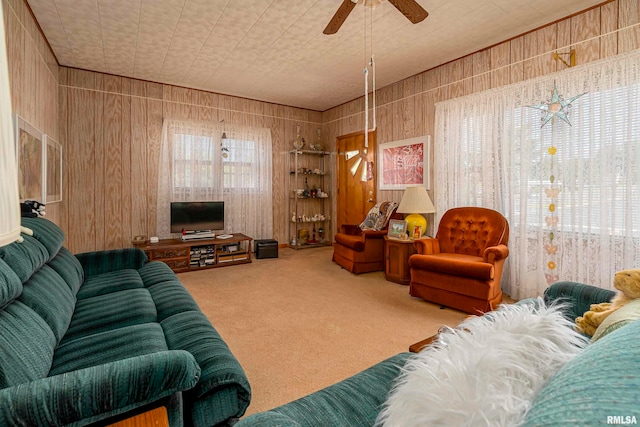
(427, 246)
(268, 419)
(94, 263)
(99, 392)
(577, 296)
(495, 253)
(354, 401)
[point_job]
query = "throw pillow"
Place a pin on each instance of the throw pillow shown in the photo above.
(378, 216)
(485, 372)
(600, 386)
(625, 314)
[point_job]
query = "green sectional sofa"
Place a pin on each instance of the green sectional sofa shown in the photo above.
(97, 337)
(600, 386)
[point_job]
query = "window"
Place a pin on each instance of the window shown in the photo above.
(239, 164)
(569, 191)
(197, 165)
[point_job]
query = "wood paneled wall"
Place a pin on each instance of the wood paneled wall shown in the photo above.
(112, 127)
(33, 76)
(406, 108)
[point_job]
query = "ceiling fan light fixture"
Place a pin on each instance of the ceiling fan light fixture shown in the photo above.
(351, 154)
(355, 166)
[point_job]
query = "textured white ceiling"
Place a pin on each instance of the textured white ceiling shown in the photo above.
(274, 50)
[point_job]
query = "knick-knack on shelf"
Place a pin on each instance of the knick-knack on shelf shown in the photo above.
(299, 141)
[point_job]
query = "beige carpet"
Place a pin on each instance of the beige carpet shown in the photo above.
(300, 322)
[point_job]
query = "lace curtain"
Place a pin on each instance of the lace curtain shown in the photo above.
(569, 191)
(196, 164)
(9, 201)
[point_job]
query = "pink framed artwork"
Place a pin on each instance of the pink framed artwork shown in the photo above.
(403, 163)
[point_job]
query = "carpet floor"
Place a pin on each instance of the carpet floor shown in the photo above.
(300, 322)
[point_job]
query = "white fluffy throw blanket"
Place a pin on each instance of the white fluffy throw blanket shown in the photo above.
(486, 372)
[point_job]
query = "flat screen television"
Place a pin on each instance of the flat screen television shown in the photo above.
(197, 216)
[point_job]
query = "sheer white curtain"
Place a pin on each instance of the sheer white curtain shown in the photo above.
(569, 191)
(196, 164)
(9, 201)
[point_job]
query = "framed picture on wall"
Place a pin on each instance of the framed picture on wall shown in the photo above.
(30, 159)
(53, 170)
(403, 163)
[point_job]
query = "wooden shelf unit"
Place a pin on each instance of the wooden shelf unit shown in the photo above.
(199, 254)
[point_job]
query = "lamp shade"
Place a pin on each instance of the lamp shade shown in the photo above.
(9, 199)
(416, 200)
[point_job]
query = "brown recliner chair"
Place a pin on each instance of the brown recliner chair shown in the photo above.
(461, 267)
(361, 251)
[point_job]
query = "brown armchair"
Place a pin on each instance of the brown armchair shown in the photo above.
(461, 267)
(362, 251)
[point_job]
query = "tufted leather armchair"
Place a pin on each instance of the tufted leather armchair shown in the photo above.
(461, 267)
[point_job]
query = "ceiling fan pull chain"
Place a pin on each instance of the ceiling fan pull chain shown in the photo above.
(373, 68)
(372, 63)
(366, 108)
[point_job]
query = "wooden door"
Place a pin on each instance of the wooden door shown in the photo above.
(355, 197)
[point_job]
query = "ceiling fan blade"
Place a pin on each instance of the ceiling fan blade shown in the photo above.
(339, 17)
(411, 9)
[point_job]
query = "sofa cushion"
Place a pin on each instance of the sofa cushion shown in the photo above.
(486, 371)
(26, 345)
(454, 264)
(156, 272)
(106, 283)
(47, 233)
(68, 267)
(171, 298)
(49, 296)
(109, 346)
(25, 258)
(352, 242)
(10, 284)
(622, 316)
(600, 382)
(111, 311)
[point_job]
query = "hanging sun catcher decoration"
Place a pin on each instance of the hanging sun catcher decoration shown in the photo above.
(555, 107)
(558, 107)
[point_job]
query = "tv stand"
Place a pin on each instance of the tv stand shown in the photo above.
(199, 254)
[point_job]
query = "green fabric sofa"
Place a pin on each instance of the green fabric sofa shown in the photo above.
(96, 337)
(600, 386)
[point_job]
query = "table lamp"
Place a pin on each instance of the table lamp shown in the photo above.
(415, 201)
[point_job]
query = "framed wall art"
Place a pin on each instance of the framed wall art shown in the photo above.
(30, 158)
(53, 170)
(404, 163)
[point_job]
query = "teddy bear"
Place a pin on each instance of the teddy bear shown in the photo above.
(627, 282)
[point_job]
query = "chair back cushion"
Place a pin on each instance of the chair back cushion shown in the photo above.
(470, 230)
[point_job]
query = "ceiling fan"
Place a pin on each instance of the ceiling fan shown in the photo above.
(409, 8)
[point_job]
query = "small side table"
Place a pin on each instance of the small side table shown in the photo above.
(396, 260)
